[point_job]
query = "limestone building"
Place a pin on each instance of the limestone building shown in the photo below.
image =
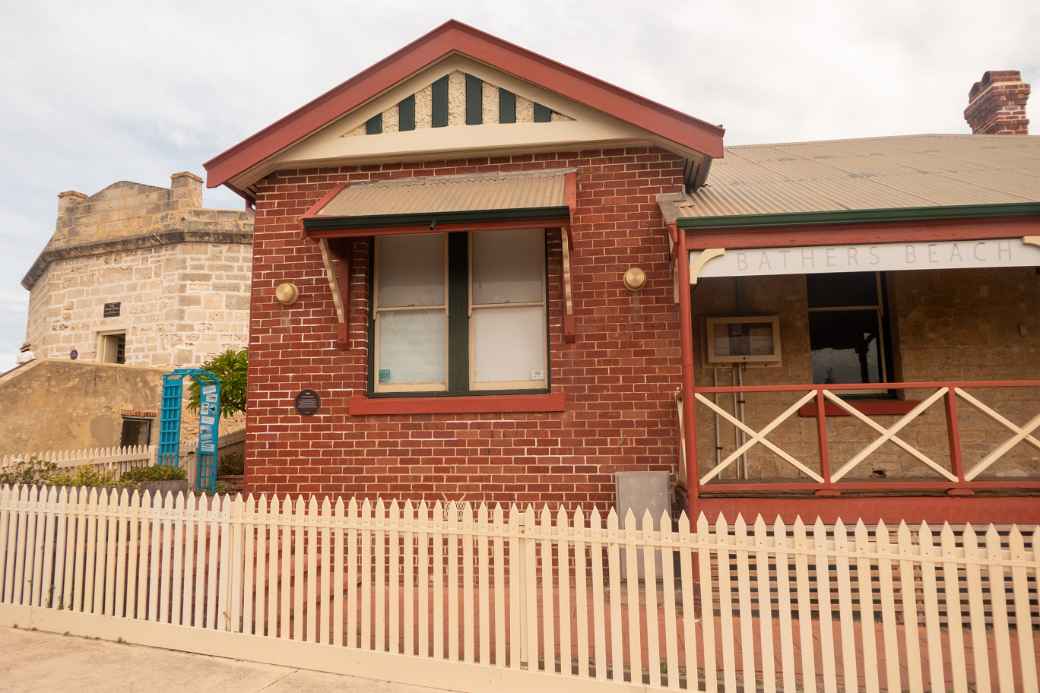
(141, 275)
(135, 280)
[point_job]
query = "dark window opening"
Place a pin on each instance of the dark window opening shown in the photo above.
(474, 100)
(506, 106)
(374, 125)
(112, 348)
(439, 115)
(542, 114)
(136, 431)
(406, 114)
(848, 328)
(111, 310)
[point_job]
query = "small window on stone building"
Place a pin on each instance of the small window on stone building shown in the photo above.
(111, 310)
(136, 431)
(112, 348)
(848, 328)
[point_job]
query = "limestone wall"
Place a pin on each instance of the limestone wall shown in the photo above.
(948, 325)
(180, 303)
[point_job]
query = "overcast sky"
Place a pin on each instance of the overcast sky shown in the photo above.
(94, 92)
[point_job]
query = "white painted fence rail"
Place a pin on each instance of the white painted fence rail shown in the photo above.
(480, 598)
(114, 460)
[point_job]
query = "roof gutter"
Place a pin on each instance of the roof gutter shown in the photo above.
(433, 219)
(863, 216)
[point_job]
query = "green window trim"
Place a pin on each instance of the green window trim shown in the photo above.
(458, 328)
(439, 108)
(406, 114)
(474, 100)
(506, 106)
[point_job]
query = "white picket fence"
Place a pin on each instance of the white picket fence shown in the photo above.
(479, 598)
(114, 460)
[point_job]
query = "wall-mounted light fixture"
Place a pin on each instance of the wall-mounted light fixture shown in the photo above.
(286, 293)
(635, 278)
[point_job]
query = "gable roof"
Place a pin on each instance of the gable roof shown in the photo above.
(788, 183)
(456, 37)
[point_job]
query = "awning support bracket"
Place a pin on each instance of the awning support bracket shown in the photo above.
(570, 189)
(337, 272)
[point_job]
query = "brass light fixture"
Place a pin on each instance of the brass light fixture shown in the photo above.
(635, 278)
(286, 293)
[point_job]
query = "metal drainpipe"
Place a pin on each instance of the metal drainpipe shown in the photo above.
(686, 348)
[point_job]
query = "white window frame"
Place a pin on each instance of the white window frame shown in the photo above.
(377, 311)
(474, 386)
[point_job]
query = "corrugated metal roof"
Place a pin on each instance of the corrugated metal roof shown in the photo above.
(872, 173)
(440, 194)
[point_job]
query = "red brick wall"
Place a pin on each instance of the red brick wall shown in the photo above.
(619, 375)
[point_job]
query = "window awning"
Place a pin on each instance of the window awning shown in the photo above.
(444, 203)
(437, 204)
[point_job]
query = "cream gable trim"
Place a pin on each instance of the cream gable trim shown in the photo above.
(335, 144)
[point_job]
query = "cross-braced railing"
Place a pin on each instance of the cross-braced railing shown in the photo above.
(828, 474)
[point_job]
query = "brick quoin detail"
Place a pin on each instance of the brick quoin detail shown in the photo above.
(619, 375)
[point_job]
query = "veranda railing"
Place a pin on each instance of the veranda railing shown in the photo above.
(480, 598)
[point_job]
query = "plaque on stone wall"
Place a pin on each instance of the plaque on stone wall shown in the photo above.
(307, 403)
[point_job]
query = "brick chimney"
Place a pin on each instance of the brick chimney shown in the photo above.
(997, 104)
(185, 190)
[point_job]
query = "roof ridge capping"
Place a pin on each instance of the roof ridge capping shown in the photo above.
(456, 37)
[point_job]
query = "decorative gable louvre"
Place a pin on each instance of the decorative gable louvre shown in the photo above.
(458, 99)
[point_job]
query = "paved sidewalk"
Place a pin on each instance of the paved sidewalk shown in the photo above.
(34, 661)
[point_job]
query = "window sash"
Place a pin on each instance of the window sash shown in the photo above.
(380, 310)
(882, 337)
(474, 384)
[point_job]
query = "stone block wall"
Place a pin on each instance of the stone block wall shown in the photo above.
(180, 303)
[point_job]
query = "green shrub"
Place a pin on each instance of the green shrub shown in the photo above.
(158, 472)
(232, 464)
(83, 476)
(231, 367)
(30, 471)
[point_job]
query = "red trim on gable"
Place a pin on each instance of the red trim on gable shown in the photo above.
(456, 37)
(478, 404)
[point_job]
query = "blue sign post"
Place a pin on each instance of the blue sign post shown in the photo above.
(209, 424)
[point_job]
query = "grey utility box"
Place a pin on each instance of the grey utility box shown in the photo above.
(639, 492)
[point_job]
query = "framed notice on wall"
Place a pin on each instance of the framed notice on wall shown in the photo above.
(753, 339)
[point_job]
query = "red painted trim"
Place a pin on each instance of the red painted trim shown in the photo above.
(937, 486)
(313, 210)
(485, 404)
(837, 387)
(838, 234)
(552, 223)
(873, 407)
(455, 37)
(954, 435)
(686, 350)
(911, 509)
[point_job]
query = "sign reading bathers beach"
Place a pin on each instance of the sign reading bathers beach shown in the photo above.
(878, 257)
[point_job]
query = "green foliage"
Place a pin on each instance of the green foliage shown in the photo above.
(84, 476)
(230, 367)
(231, 464)
(30, 471)
(158, 472)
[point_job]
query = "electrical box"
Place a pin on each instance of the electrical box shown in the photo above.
(736, 340)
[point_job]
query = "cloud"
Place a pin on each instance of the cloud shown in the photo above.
(97, 92)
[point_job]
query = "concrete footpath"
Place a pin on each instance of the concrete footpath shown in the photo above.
(35, 661)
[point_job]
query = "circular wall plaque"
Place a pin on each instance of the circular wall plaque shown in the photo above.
(307, 403)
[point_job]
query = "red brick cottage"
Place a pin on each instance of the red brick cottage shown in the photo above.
(505, 280)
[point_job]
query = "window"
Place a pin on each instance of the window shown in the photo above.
(112, 348)
(848, 328)
(136, 431)
(459, 313)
